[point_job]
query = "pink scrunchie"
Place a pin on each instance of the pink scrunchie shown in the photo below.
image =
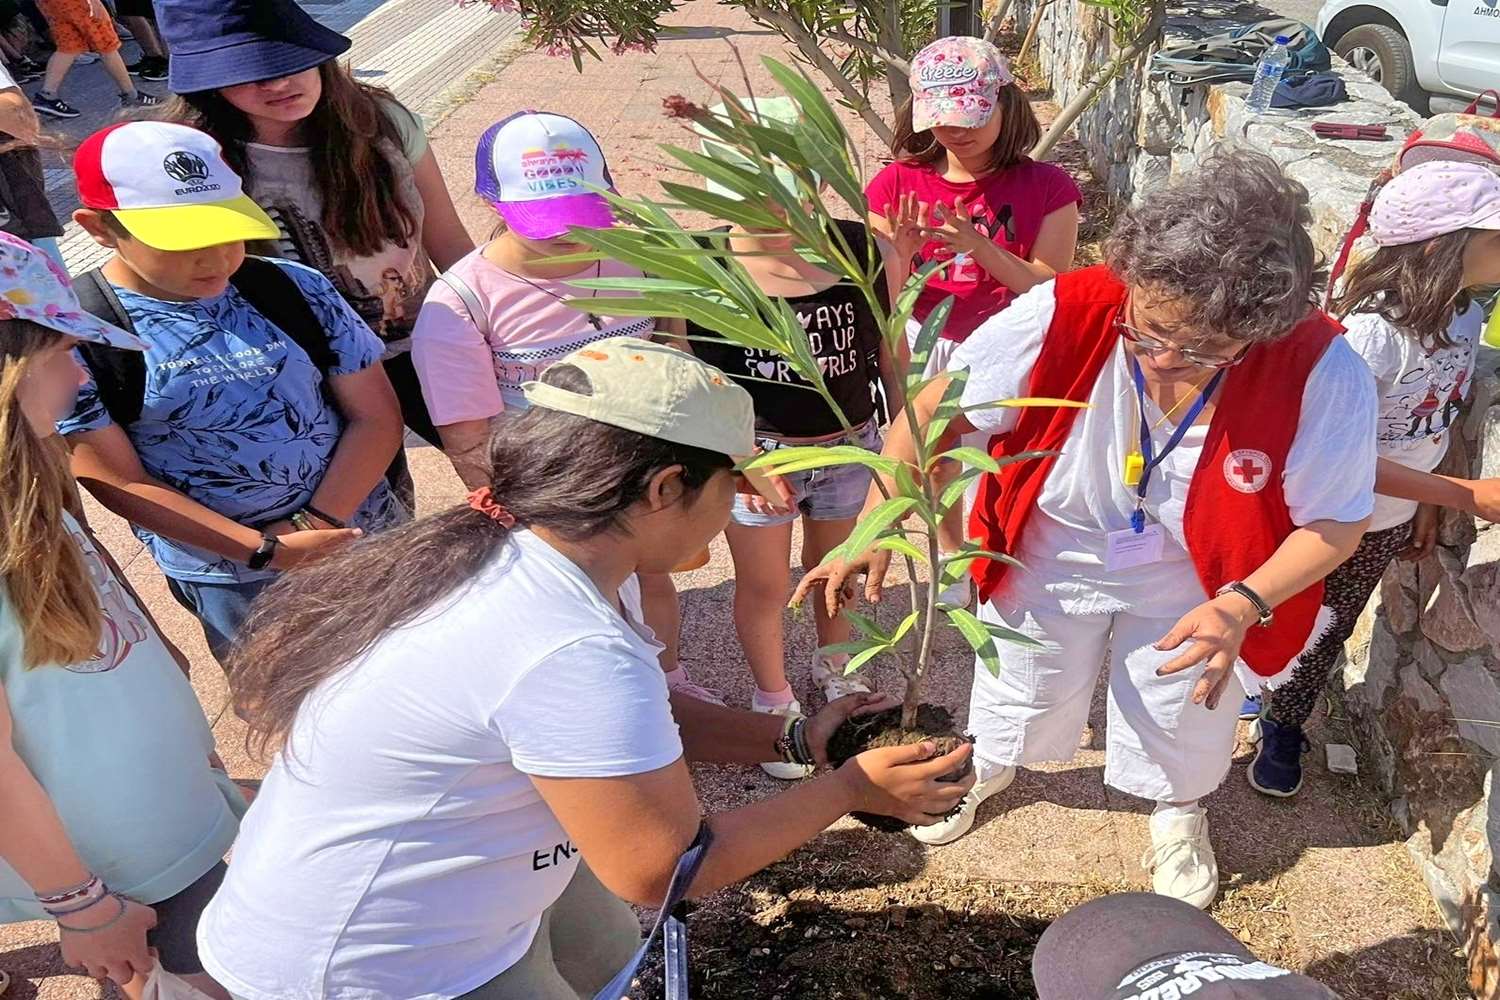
(483, 500)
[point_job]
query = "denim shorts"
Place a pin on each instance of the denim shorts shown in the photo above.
(832, 494)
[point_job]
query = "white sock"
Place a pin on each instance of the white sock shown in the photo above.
(1166, 812)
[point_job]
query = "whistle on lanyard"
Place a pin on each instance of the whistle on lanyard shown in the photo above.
(1135, 468)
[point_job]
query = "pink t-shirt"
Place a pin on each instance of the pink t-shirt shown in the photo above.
(472, 371)
(1007, 206)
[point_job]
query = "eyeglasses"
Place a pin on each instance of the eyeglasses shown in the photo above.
(1153, 346)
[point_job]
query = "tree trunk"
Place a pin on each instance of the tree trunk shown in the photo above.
(1031, 30)
(997, 20)
(1086, 98)
(896, 80)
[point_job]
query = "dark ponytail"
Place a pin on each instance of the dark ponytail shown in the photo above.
(573, 476)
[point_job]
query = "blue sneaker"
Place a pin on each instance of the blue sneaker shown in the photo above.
(1250, 707)
(1277, 767)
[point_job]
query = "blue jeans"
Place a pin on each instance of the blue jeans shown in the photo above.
(219, 607)
(833, 493)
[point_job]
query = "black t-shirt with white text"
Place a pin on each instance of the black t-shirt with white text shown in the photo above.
(845, 337)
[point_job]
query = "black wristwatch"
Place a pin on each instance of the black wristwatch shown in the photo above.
(1262, 609)
(262, 556)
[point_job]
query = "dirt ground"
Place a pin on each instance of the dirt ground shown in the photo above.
(1321, 883)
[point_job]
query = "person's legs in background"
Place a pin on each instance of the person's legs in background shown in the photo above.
(221, 608)
(663, 614)
(1162, 747)
(1281, 742)
(140, 18)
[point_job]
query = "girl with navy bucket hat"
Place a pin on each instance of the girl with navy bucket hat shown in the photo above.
(341, 166)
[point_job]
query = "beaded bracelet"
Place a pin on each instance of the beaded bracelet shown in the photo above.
(84, 888)
(792, 744)
(99, 927)
(78, 907)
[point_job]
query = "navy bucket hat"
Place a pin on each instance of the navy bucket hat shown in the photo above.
(220, 43)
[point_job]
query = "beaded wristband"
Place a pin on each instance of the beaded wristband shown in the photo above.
(84, 888)
(79, 906)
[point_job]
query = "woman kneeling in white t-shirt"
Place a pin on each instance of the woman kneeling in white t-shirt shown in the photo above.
(468, 704)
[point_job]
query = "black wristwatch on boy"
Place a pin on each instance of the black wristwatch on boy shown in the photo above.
(262, 556)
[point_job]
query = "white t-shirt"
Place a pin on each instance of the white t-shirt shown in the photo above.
(1420, 394)
(402, 850)
(1085, 497)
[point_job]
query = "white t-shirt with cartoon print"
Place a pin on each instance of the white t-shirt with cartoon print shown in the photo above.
(1421, 394)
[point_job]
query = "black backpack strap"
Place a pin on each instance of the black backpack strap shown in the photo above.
(119, 375)
(278, 297)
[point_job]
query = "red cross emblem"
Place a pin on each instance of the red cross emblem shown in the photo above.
(1247, 470)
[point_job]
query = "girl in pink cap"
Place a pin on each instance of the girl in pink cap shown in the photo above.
(500, 315)
(1409, 310)
(963, 191)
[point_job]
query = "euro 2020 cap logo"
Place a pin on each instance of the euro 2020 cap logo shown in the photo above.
(185, 167)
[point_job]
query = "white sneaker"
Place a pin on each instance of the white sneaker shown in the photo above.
(781, 769)
(958, 594)
(828, 674)
(950, 829)
(1181, 859)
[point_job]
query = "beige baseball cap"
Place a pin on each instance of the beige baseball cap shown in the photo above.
(661, 392)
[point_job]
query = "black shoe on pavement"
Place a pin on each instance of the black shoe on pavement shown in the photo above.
(140, 99)
(54, 106)
(155, 70)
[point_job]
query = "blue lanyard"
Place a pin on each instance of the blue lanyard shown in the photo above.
(1148, 450)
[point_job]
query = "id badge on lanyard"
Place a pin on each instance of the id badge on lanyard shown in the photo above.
(1144, 543)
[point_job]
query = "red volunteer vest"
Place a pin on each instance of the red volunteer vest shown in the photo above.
(1236, 514)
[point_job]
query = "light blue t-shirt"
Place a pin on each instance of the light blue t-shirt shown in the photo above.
(120, 746)
(235, 415)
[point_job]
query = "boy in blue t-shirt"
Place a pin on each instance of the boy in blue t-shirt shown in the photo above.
(244, 446)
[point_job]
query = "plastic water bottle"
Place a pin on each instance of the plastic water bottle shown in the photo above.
(1267, 75)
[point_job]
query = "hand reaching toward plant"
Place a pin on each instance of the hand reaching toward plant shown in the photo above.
(820, 727)
(834, 577)
(903, 782)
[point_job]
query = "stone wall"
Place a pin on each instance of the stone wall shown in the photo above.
(1422, 679)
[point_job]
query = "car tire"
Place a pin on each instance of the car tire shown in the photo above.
(1383, 54)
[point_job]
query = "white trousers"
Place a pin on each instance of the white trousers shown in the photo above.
(1160, 745)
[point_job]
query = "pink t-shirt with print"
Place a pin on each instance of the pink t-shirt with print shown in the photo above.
(473, 371)
(1007, 206)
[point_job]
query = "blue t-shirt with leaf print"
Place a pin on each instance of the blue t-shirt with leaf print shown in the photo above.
(235, 415)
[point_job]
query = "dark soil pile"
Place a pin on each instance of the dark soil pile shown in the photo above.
(884, 730)
(776, 938)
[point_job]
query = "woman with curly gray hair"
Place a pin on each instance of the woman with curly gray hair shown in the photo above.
(1177, 520)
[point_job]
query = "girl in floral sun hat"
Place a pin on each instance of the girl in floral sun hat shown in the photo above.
(963, 191)
(117, 811)
(1410, 312)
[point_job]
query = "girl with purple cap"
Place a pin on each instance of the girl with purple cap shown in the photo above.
(962, 191)
(341, 166)
(1410, 310)
(499, 317)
